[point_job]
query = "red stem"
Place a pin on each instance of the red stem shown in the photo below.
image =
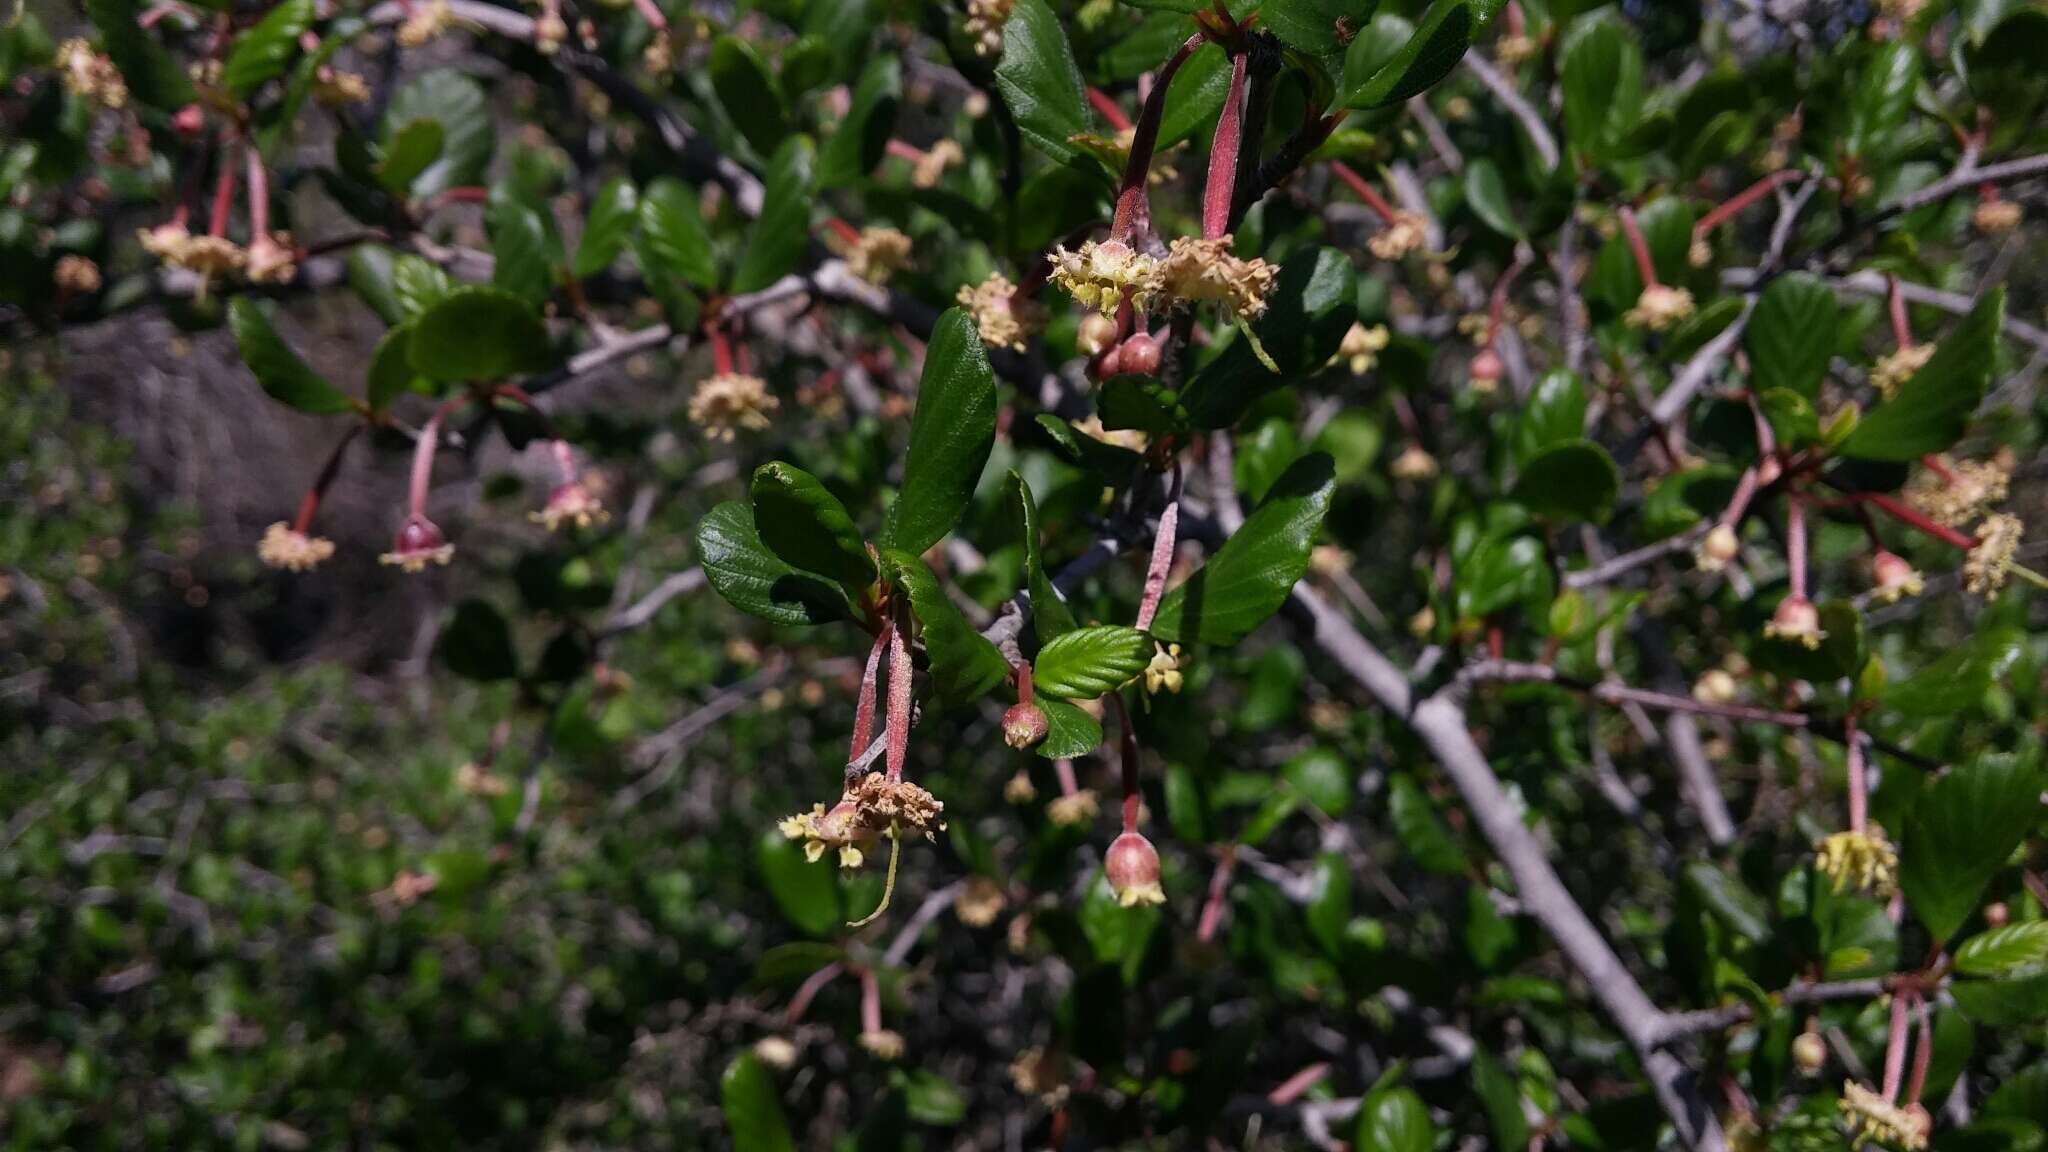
(1902, 331)
(1223, 154)
(1912, 518)
(311, 504)
(1133, 207)
(1108, 109)
(1859, 777)
(1895, 1048)
(898, 721)
(1923, 1052)
(223, 194)
(1024, 692)
(1645, 267)
(1162, 562)
(870, 1002)
(1212, 908)
(259, 196)
(1363, 190)
(1128, 746)
(721, 351)
(1743, 199)
(1795, 545)
(808, 991)
(864, 709)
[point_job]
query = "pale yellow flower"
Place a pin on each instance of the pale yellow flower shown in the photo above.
(1003, 319)
(1659, 307)
(1864, 861)
(1991, 561)
(1872, 1119)
(1361, 346)
(1101, 273)
(1898, 367)
(731, 402)
(877, 254)
(286, 548)
(1163, 673)
(90, 75)
(1073, 808)
(1195, 271)
(1406, 232)
(1969, 487)
(428, 19)
(77, 274)
(985, 20)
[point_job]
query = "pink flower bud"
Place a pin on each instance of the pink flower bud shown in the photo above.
(1094, 334)
(189, 121)
(1809, 1053)
(418, 544)
(1139, 355)
(1132, 865)
(1025, 727)
(1486, 369)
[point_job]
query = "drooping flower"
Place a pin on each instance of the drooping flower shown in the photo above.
(90, 75)
(1073, 808)
(1996, 217)
(1872, 1119)
(979, 903)
(549, 31)
(418, 543)
(1715, 686)
(167, 242)
(930, 169)
(1990, 562)
(428, 19)
(1414, 463)
(1798, 621)
(1163, 673)
(1132, 867)
(1101, 273)
(288, 549)
(882, 1044)
(1025, 726)
(571, 502)
(271, 259)
(336, 87)
(1019, 789)
(1195, 271)
(1717, 549)
(210, 256)
(1809, 1052)
(1406, 232)
(1894, 369)
(77, 274)
(1004, 319)
(877, 253)
(775, 1051)
(820, 829)
(1863, 860)
(1361, 347)
(985, 20)
(1659, 307)
(1895, 578)
(731, 402)
(1953, 491)
(1040, 1072)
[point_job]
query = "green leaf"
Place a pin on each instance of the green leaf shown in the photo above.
(1791, 334)
(1317, 27)
(1049, 613)
(407, 153)
(1436, 47)
(417, 284)
(1312, 305)
(2002, 951)
(1070, 732)
(1956, 681)
(783, 229)
(1420, 829)
(1140, 402)
(860, 139)
(1960, 832)
(1248, 578)
(370, 274)
(1197, 92)
(1554, 414)
(2016, 1003)
(608, 228)
(1667, 231)
(951, 432)
(1118, 935)
(1329, 902)
(1882, 97)
(1496, 574)
(391, 373)
(1090, 662)
(284, 376)
(1352, 438)
(672, 236)
(1930, 411)
(519, 247)
(151, 75)
(1501, 1098)
(965, 665)
(1571, 481)
(1039, 80)
(807, 892)
(753, 1114)
(1487, 194)
(262, 52)
(757, 581)
(469, 128)
(480, 334)
(1107, 461)
(747, 92)
(476, 643)
(1371, 51)
(808, 527)
(1322, 778)
(1602, 70)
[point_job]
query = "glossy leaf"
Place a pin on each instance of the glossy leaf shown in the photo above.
(1554, 413)
(522, 263)
(1422, 832)
(407, 153)
(808, 527)
(1961, 831)
(1039, 80)
(951, 432)
(672, 239)
(1603, 80)
(757, 581)
(965, 665)
(391, 374)
(476, 643)
(1318, 27)
(2001, 951)
(1791, 334)
(608, 228)
(1394, 1119)
(753, 1112)
(783, 229)
(1439, 42)
(1568, 482)
(1931, 410)
(748, 93)
(1049, 613)
(1090, 662)
(859, 140)
(1486, 193)
(1250, 576)
(262, 52)
(1070, 732)
(1312, 305)
(480, 334)
(469, 127)
(288, 379)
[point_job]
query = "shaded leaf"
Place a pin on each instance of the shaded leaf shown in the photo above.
(608, 228)
(288, 379)
(964, 664)
(1961, 831)
(783, 229)
(1250, 576)
(1930, 411)
(951, 432)
(479, 334)
(1436, 47)
(1039, 80)
(757, 581)
(808, 527)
